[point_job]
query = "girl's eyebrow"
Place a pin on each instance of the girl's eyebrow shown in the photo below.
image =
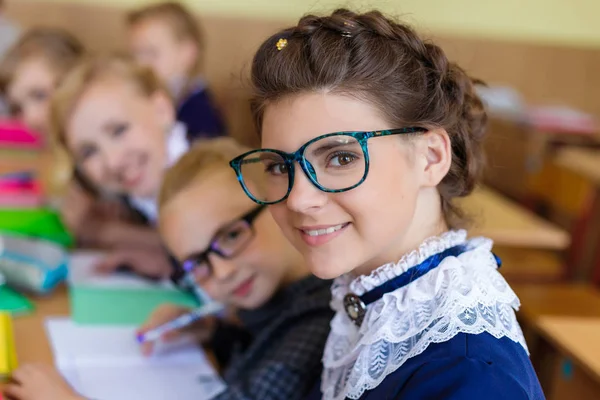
(195, 254)
(110, 125)
(325, 147)
(213, 239)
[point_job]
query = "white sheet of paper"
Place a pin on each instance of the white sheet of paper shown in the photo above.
(104, 362)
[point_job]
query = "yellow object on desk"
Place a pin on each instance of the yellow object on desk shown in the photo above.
(8, 354)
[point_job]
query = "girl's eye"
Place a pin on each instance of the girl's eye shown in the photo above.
(230, 240)
(119, 129)
(86, 152)
(276, 168)
(341, 159)
(232, 235)
(39, 95)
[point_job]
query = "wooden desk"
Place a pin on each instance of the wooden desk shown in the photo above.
(577, 337)
(517, 153)
(583, 161)
(539, 301)
(30, 334)
(528, 245)
(576, 370)
(583, 164)
(509, 224)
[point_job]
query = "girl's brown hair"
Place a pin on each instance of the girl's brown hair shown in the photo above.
(386, 63)
(57, 47)
(202, 159)
(183, 24)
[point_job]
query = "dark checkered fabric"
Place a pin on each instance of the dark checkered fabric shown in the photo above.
(278, 354)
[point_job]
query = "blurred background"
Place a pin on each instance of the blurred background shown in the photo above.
(540, 200)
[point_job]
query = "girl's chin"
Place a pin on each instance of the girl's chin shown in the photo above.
(327, 270)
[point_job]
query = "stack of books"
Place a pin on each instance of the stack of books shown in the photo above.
(20, 189)
(33, 239)
(25, 163)
(14, 135)
(20, 164)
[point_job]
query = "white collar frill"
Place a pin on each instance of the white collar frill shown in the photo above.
(463, 294)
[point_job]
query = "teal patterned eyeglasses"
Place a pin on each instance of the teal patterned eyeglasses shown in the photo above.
(334, 163)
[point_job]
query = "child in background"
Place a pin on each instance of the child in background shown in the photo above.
(9, 33)
(118, 123)
(29, 74)
(386, 132)
(167, 38)
(237, 254)
(32, 68)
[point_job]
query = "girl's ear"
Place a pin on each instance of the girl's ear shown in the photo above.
(438, 156)
(163, 108)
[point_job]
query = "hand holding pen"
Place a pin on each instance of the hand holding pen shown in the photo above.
(168, 322)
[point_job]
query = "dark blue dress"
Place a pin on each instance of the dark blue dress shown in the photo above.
(201, 116)
(464, 368)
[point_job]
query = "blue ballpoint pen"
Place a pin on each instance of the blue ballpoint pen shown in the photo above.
(180, 322)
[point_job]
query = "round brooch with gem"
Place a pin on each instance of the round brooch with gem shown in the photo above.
(355, 308)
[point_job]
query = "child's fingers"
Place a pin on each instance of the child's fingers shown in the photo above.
(14, 391)
(160, 316)
(21, 374)
(167, 337)
(110, 263)
(39, 370)
(29, 372)
(156, 320)
(171, 336)
(151, 264)
(104, 265)
(147, 348)
(163, 314)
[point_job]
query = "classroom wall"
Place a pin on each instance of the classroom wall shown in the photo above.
(544, 73)
(571, 22)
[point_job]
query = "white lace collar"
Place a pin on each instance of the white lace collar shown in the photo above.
(464, 294)
(429, 247)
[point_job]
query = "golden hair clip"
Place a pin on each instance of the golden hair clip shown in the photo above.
(281, 43)
(347, 33)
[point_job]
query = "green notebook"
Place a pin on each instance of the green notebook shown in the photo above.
(14, 302)
(38, 223)
(116, 299)
(121, 306)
